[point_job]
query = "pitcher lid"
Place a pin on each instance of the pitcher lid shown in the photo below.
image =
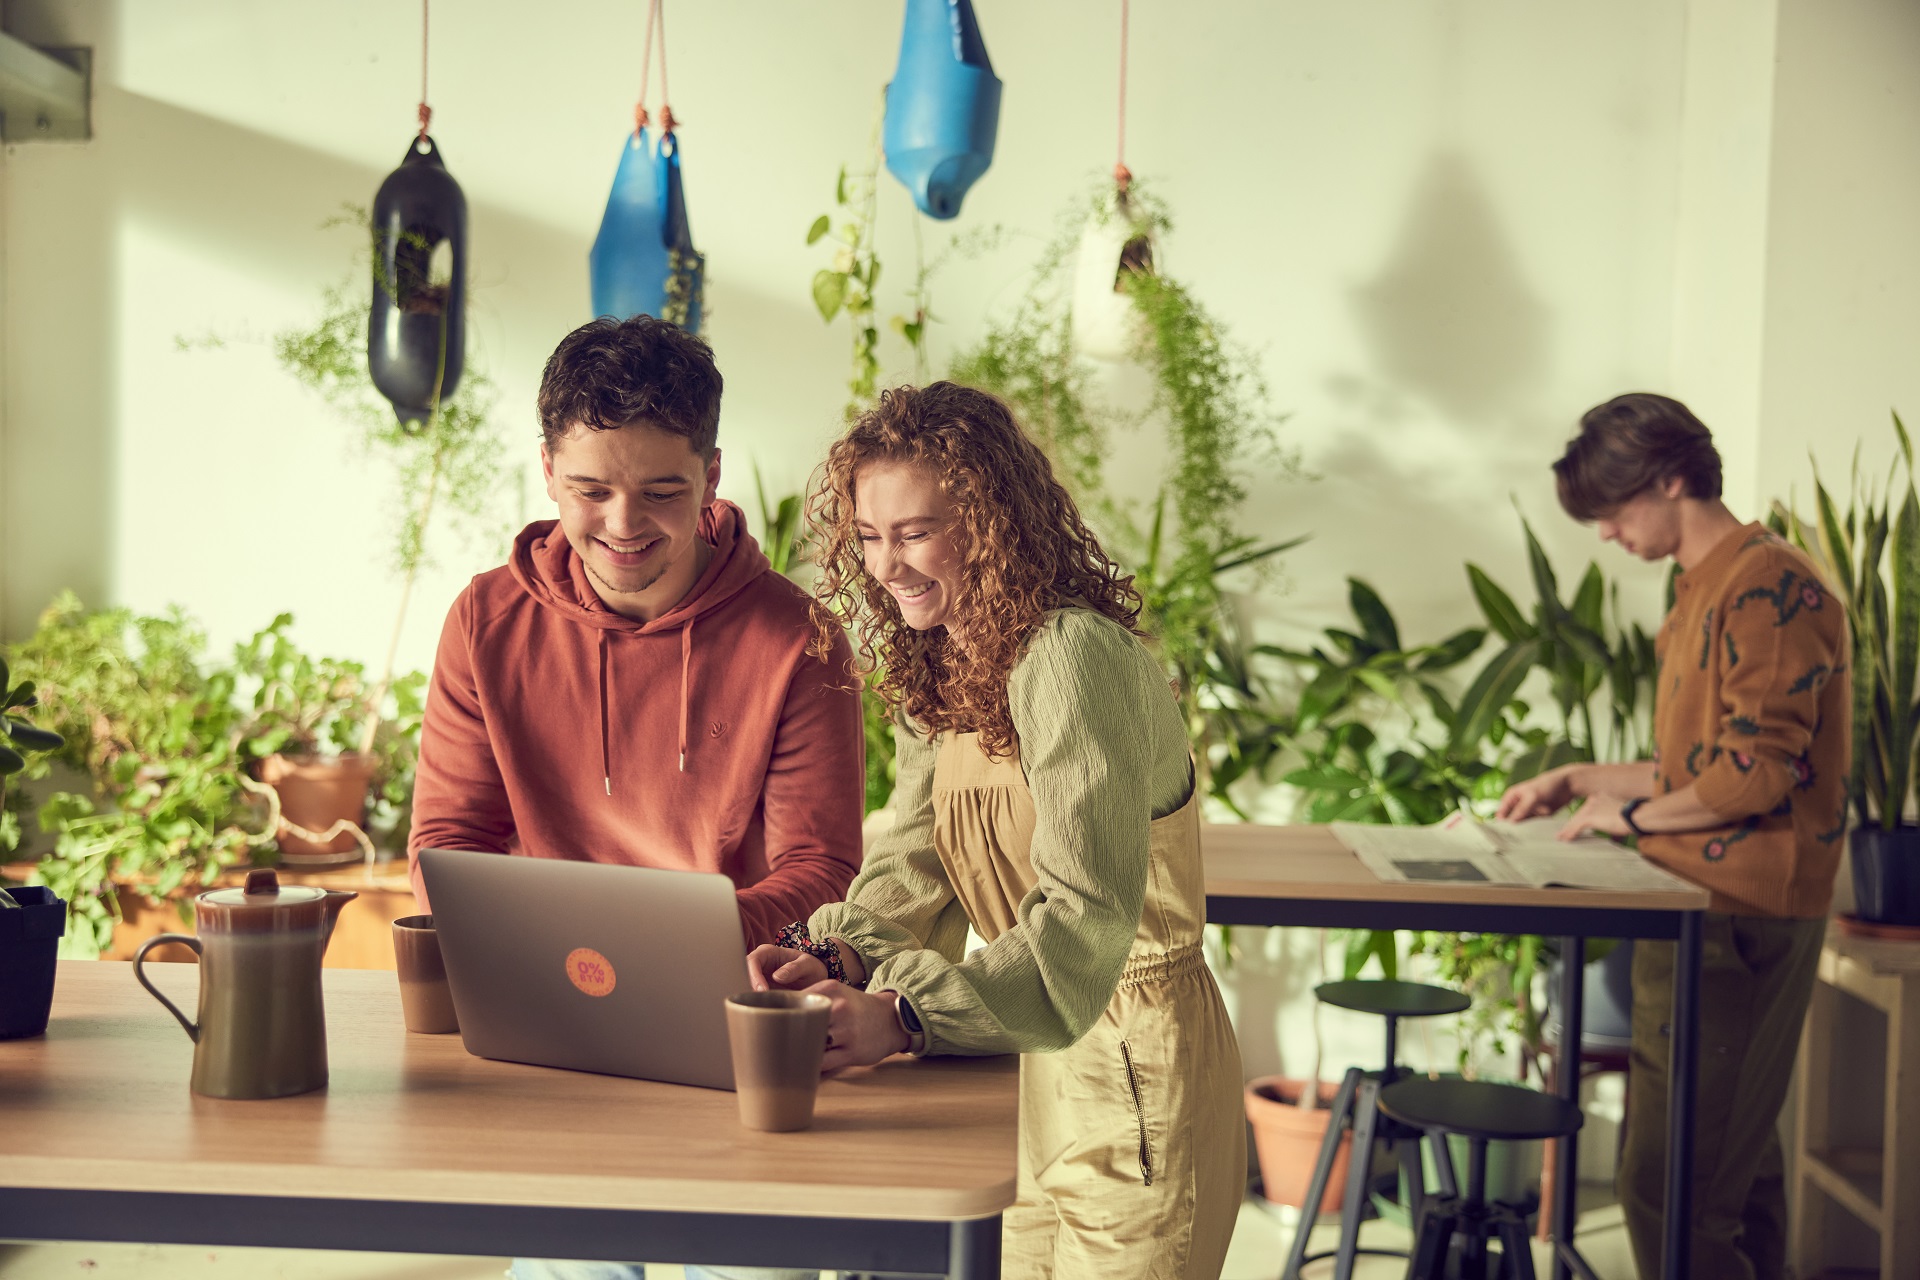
(263, 891)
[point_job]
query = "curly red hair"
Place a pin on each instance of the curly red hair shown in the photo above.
(1024, 549)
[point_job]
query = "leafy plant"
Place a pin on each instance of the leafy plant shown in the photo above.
(168, 739)
(17, 737)
(155, 731)
(1871, 556)
(303, 706)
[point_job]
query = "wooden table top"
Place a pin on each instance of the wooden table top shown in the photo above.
(1246, 860)
(101, 1102)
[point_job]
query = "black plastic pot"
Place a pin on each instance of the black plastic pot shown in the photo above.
(29, 946)
(1886, 874)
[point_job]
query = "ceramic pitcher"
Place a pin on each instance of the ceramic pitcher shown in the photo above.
(262, 1032)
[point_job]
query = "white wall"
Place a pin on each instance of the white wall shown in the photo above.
(1443, 229)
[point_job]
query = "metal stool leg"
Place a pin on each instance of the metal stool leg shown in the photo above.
(1429, 1261)
(1337, 1118)
(1443, 1164)
(1366, 1119)
(1473, 1253)
(1516, 1248)
(1407, 1151)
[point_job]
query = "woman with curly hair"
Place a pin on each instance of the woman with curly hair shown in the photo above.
(1046, 796)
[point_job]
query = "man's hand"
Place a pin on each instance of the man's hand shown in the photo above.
(862, 1029)
(1600, 815)
(1538, 796)
(771, 968)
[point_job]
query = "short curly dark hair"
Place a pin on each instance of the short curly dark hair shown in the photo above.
(609, 374)
(1627, 446)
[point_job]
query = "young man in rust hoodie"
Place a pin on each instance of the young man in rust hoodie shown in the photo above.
(1746, 796)
(633, 686)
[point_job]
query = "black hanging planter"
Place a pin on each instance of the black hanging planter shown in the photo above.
(416, 332)
(29, 948)
(1886, 874)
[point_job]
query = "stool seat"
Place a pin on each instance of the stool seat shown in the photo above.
(1480, 1110)
(1389, 997)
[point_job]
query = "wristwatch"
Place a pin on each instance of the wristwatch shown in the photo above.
(910, 1023)
(1626, 814)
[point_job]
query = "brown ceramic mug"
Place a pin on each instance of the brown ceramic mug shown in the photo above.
(778, 1039)
(426, 1001)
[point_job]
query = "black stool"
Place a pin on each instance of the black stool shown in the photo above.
(1481, 1113)
(1358, 1104)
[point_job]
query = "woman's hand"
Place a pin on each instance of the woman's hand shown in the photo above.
(1600, 815)
(771, 968)
(1537, 796)
(862, 1029)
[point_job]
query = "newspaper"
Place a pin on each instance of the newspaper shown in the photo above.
(1462, 850)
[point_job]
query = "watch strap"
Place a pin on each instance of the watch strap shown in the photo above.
(1626, 815)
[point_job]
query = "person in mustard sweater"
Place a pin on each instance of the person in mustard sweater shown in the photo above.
(1745, 796)
(1045, 796)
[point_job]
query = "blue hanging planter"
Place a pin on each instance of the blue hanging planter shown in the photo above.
(943, 106)
(416, 330)
(643, 261)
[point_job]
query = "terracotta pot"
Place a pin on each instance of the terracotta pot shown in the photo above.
(1287, 1140)
(316, 793)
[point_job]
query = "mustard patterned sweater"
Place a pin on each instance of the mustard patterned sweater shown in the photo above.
(1105, 752)
(1753, 708)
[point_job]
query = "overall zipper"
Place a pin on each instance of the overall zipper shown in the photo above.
(1139, 1113)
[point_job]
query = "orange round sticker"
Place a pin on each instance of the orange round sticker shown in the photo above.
(590, 971)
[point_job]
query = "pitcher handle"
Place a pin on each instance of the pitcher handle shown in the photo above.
(184, 939)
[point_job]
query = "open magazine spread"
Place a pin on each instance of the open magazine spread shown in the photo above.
(1464, 851)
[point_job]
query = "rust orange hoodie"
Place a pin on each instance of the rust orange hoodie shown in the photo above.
(705, 740)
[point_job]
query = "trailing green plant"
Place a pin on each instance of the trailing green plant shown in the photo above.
(452, 462)
(1870, 554)
(1187, 552)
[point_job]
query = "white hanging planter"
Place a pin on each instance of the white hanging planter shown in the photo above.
(1106, 325)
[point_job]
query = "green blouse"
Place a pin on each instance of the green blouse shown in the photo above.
(1104, 751)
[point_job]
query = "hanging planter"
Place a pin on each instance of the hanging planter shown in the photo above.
(1114, 246)
(643, 261)
(416, 332)
(943, 106)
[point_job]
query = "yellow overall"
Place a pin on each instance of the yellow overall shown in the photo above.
(1132, 1145)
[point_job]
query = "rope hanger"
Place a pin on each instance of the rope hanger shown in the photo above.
(426, 112)
(1122, 176)
(656, 20)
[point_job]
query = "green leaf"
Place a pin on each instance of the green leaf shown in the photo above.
(1905, 640)
(1328, 692)
(1836, 545)
(33, 739)
(1589, 602)
(1498, 606)
(21, 695)
(1544, 583)
(11, 761)
(1452, 651)
(829, 291)
(1906, 445)
(1495, 686)
(821, 225)
(1376, 620)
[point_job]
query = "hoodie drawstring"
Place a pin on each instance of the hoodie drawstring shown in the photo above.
(606, 754)
(686, 682)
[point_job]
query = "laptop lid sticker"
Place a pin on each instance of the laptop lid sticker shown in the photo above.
(590, 971)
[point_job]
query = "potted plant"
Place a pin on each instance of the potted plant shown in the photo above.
(1870, 556)
(32, 919)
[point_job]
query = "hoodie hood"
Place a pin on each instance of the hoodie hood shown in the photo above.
(546, 567)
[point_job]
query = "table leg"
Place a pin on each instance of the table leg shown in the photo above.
(1566, 1070)
(975, 1252)
(1676, 1255)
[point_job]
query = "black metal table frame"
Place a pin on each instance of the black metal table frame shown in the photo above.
(1573, 925)
(968, 1249)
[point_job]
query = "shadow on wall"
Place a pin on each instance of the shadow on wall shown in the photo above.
(1450, 318)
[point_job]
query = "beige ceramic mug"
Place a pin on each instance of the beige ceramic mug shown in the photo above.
(778, 1039)
(426, 1001)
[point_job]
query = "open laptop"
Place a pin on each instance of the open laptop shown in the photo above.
(620, 970)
